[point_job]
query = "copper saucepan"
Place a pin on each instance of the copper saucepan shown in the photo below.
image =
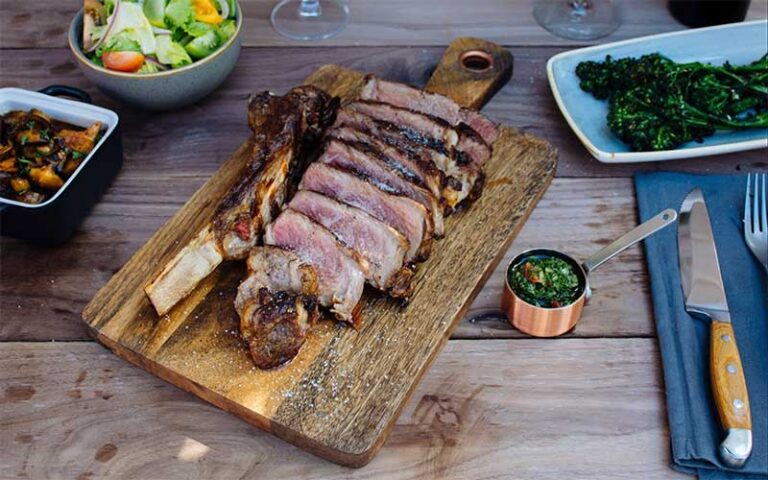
(551, 322)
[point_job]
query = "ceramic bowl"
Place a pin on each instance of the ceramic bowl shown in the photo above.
(55, 220)
(162, 90)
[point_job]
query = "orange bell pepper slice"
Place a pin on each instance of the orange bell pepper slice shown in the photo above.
(206, 12)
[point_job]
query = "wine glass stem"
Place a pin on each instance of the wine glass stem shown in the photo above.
(579, 7)
(310, 8)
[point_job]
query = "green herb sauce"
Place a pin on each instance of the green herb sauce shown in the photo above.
(547, 282)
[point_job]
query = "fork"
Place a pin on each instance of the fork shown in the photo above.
(756, 219)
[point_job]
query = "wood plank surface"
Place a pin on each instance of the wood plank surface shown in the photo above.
(524, 409)
(215, 127)
(324, 400)
(373, 23)
(47, 307)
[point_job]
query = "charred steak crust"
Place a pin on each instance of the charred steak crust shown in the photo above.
(286, 134)
(276, 327)
(435, 104)
(277, 304)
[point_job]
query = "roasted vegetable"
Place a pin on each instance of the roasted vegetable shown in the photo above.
(19, 185)
(45, 177)
(38, 154)
(658, 104)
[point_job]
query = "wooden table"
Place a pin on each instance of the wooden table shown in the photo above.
(495, 404)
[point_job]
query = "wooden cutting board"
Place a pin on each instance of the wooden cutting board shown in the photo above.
(340, 396)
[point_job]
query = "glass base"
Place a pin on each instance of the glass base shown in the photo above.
(310, 20)
(577, 20)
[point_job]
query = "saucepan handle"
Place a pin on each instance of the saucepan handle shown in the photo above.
(663, 219)
(67, 91)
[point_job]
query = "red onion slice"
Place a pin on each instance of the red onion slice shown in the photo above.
(224, 8)
(110, 24)
(160, 66)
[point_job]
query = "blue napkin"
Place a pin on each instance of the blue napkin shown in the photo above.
(684, 341)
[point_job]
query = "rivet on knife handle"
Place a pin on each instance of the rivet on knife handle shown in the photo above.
(730, 393)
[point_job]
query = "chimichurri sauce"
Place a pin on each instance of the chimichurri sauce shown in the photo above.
(547, 282)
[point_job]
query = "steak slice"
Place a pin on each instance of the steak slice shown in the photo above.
(365, 161)
(440, 106)
(420, 128)
(340, 271)
(382, 246)
(277, 304)
(403, 214)
(458, 179)
(411, 166)
(428, 130)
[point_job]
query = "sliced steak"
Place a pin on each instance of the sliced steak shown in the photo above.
(367, 162)
(420, 128)
(411, 166)
(340, 272)
(428, 130)
(401, 213)
(458, 179)
(440, 106)
(277, 304)
(286, 130)
(472, 145)
(383, 247)
(285, 135)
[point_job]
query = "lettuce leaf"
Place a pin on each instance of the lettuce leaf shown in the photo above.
(122, 42)
(171, 53)
(130, 20)
(148, 67)
(179, 13)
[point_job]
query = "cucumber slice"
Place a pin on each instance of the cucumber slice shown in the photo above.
(202, 46)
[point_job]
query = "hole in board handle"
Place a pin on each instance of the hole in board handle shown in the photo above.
(476, 61)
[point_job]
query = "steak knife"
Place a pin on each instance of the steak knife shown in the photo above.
(705, 299)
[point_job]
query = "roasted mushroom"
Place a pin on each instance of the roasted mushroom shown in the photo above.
(38, 153)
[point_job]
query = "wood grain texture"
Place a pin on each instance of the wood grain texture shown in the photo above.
(396, 22)
(329, 399)
(48, 306)
(524, 409)
(169, 155)
(471, 71)
(161, 144)
(728, 384)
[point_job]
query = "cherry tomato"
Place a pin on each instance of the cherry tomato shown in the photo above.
(123, 61)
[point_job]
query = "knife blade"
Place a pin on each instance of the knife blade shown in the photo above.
(705, 299)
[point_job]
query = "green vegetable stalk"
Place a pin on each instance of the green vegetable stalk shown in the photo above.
(658, 104)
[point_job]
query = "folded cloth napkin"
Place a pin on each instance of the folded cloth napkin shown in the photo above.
(684, 341)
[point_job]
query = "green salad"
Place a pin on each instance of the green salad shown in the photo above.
(547, 282)
(148, 36)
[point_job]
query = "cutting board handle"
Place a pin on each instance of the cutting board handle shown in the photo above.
(471, 71)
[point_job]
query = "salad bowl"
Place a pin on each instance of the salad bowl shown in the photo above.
(161, 90)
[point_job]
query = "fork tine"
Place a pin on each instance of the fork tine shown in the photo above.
(748, 207)
(763, 208)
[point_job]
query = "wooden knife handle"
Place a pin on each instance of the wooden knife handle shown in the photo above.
(471, 71)
(728, 383)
